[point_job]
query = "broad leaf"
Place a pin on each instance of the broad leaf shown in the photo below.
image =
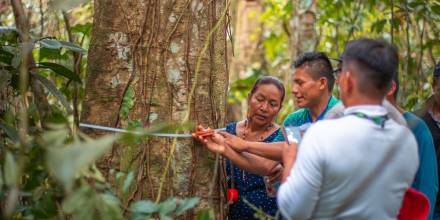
(10, 170)
(66, 162)
(60, 69)
(50, 43)
(55, 92)
(7, 30)
(168, 206)
(186, 204)
(127, 182)
(73, 47)
(82, 28)
(145, 207)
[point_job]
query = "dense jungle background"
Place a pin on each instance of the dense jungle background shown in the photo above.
(162, 66)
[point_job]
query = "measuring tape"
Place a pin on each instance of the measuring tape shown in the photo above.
(120, 130)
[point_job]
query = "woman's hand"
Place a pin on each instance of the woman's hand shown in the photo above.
(213, 141)
(234, 142)
(275, 174)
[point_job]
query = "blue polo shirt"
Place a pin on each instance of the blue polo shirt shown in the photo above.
(426, 180)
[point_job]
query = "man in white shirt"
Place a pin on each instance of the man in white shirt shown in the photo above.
(358, 166)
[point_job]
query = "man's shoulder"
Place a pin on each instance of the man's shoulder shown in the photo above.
(415, 123)
(296, 118)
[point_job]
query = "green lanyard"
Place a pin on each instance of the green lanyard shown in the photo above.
(379, 120)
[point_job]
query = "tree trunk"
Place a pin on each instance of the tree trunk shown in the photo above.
(152, 48)
(247, 47)
(303, 36)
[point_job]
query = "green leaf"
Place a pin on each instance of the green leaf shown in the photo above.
(168, 206)
(109, 207)
(72, 46)
(50, 43)
(145, 207)
(205, 214)
(59, 69)
(10, 170)
(127, 102)
(54, 54)
(127, 182)
(164, 217)
(7, 30)
(55, 92)
(66, 162)
(6, 56)
(378, 26)
(186, 204)
(11, 132)
(82, 28)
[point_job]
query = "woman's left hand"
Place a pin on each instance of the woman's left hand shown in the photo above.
(275, 174)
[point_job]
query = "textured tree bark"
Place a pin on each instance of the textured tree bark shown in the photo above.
(303, 36)
(153, 47)
(247, 47)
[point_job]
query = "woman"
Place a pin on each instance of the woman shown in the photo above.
(246, 171)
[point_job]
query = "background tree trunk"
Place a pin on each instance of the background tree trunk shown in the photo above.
(303, 36)
(247, 46)
(152, 48)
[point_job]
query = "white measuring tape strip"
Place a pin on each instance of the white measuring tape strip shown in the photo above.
(169, 135)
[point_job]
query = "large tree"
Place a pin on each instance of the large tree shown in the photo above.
(152, 62)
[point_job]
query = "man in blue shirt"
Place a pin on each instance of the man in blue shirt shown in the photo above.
(426, 180)
(312, 87)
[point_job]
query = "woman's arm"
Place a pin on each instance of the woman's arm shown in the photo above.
(246, 161)
(272, 151)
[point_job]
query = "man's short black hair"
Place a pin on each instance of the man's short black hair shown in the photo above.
(319, 66)
(376, 62)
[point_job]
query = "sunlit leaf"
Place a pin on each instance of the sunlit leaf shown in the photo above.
(55, 92)
(145, 207)
(82, 28)
(50, 43)
(127, 182)
(73, 47)
(7, 29)
(109, 207)
(67, 161)
(10, 170)
(60, 69)
(168, 206)
(186, 204)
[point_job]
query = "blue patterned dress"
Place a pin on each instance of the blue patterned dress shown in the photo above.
(250, 187)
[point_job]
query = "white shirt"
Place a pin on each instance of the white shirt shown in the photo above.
(350, 168)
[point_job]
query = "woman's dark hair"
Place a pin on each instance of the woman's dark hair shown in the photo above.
(269, 80)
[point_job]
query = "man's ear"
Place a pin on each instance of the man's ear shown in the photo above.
(323, 83)
(392, 89)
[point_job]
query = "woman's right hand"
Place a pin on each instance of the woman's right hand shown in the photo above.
(236, 143)
(214, 143)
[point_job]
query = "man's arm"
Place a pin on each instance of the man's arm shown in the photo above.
(272, 151)
(426, 180)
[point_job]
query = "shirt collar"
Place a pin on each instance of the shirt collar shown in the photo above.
(370, 110)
